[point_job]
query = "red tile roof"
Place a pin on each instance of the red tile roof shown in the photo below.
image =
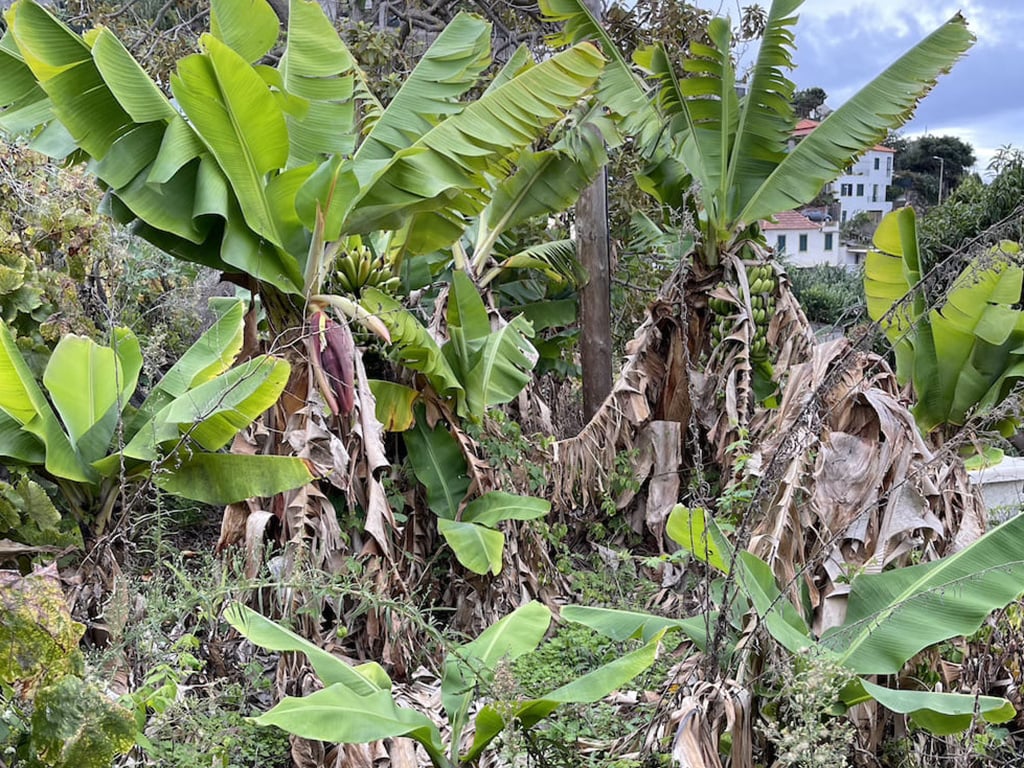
(804, 127)
(790, 220)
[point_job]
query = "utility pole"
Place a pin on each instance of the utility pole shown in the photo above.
(942, 172)
(595, 297)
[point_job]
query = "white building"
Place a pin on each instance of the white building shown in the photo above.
(862, 188)
(804, 243)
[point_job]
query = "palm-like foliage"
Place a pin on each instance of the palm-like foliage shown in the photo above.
(234, 180)
(737, 147)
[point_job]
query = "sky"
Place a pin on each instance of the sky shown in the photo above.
(842, 44)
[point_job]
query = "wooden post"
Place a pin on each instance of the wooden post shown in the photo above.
(595, 297)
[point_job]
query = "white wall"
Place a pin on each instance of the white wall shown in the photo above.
(815, 253)
(870, 182)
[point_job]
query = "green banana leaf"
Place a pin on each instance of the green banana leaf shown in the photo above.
(90, 385)
(701, 536)
(625, 625)
(363, 679)
(891, 272)
(26, 105)
(83, 379)
(499, 371)
(240, 122)
(412, 345)
(544, 182)
(556, 259)
(444, 169)
(472, 538)
(587, 689)
(764, 130)
(449, 68)
(393, 404)
(618, 89)
(438, 464)
(861, 122)
(250, 28)
(23, 402)
(893, 615)
(316, 66)
(471, 665)
(497, 506)
(225, 478)
(942, 714)
(17, 444)
(967, 354)
(339, 714)
(691, 529)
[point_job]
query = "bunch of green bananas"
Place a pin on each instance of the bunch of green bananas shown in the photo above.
(763, 285)
(357, 268)
(723, 312)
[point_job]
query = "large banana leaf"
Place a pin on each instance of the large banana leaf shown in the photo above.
(618, 89)
(363, 679)
(338, 714)
(25, 404)
(241, 123)
(766, 115)
(227, 478)
(446, 167)
(942, 714)
(449, 68)
(439, 465)
(249, 27)
(861, 122)
(63, 66)
(90, 385)
(212, 413)
(967, 353)
(317, 66)
(891, 616)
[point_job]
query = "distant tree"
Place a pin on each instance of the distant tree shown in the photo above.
(976, 213)
(918, 168)
(807, 102)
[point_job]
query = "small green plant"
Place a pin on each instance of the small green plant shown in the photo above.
(357, 705)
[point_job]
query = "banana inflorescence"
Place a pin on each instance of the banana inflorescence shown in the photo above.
(358, 267)
(332, 352)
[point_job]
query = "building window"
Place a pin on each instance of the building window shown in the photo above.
(828, 241)
(860, 190)
(878, 163)
(780, 244)
(842, 218)
(874, 193)
(803, 243)
(888, 165)
(846, 190)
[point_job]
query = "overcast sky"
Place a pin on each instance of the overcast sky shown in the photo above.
(841, 46)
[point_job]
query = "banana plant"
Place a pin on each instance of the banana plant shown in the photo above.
(963, 354)
(469, 528)
(235, 179)
(80, 430)
(727, 161)
(357, 704)
(891, 616)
